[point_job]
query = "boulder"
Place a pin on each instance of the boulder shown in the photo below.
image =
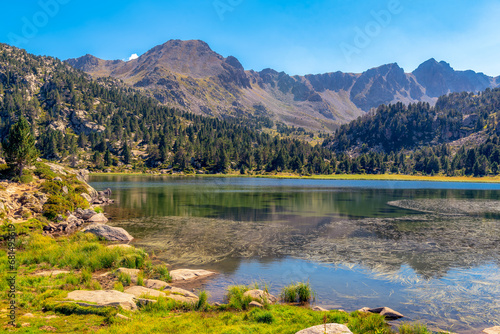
(180, 292)
(156, 284)
(86, 197)
(261, 296)
(387, 312)
(319, 309)
(142, 292)
(255, 304)
(105, 298)
(326, 329)
(109, 233)
(189, 274)
(87, 214)
(492, 330)
(98, 218)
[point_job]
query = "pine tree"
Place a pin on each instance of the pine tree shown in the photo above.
(19, 146)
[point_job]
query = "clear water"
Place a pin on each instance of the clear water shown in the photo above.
(341, 236)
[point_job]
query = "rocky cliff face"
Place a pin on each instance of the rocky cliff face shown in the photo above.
(189, 75)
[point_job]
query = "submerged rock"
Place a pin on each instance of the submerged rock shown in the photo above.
(387, 312)
(109, 233)
(327, 328)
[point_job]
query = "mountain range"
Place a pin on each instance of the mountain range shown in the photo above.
(188, 75)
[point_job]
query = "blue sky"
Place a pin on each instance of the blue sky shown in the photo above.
(297, 37)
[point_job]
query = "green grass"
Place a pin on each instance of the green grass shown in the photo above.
(297, 293)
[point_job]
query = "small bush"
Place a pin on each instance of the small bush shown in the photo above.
(43, 171)
(86, 276)
(235, 298)
(98, 209)
(202, 303)
(125, 279)
(161, 272)
(140, 279)
(118, 286)
(297, 293)
(265, 317)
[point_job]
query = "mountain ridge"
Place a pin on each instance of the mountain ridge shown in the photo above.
(191, 76)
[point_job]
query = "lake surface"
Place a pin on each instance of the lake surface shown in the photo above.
(343, 237)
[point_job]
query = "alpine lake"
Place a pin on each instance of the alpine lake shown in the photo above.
(429, 250)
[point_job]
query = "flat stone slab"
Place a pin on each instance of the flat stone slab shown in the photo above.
(108, 232)
(492, 330)
(52, 273)
(105, 298)
(180, 292)
(156, 284)
(319, 309)
(141, 292)
(189, 274)
(326, 329)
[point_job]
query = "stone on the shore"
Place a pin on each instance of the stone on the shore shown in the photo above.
(319, 308)
(180, 292)
(255, 304)
(260, 296)
(109, 233)
(121, 316)
(87, 214)
(98, 218)
(327, 328)
(189, 274)
(492, 330)
(387, 312)
(155, 284)
(140, 291)
(52, 273)
(105, 298)
(86, 197)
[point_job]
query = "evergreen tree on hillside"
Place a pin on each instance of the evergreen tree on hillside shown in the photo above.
(19, 146)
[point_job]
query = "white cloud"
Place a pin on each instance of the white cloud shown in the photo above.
(133, 56)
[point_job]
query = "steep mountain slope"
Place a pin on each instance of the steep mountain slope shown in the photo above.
(189, 75)
(104, 123)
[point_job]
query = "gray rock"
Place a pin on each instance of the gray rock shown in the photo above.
(255, 304)
(109, 233)
(58, 179)
(387, 312)
(319, 308)
(121, 316)
(156, 284)
(140, 291)
(86, 197)
(98, 218)
(87, 214)
(261, 296)
(326, 329)
(492, 330)
(105, 298)
(189, 274)
(65, 189)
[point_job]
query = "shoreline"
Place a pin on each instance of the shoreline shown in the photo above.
(343, 177)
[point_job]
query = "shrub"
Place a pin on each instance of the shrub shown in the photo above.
(125, 279)
(161, 272)
(86, 276)
(265, 317)
(118, 286)
(43, 171)
(297, 293)
(202, 303)
(235, 298)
